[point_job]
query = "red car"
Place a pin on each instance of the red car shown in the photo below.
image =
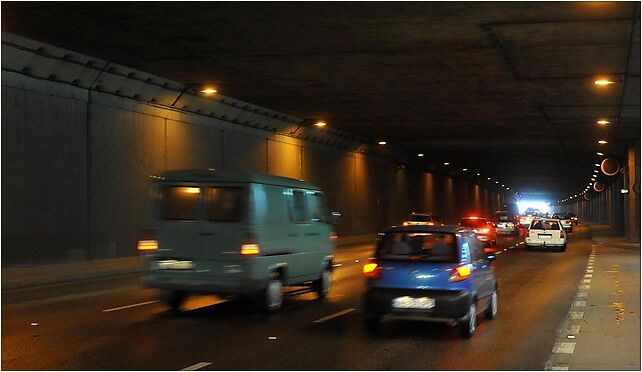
(483, 228)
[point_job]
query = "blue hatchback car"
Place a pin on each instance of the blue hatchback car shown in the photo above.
(433, 273)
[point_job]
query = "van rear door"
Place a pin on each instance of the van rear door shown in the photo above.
(202, 222)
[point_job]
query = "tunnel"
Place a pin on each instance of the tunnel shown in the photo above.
(454, 108)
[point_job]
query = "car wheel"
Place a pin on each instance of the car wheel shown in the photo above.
(373, 323)
(528, 247)
(491, 311)
(563, 248)
(322, 285)
(273, 295)
(469, 324)
(173, 299)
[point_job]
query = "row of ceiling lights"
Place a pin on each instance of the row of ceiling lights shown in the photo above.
(601, 122)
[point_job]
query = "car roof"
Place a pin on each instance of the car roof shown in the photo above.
(428, 228)
(208, 175)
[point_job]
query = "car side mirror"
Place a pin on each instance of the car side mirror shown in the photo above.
(334, 217)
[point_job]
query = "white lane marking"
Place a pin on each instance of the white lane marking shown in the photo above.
(582, 295)
(579, 303)
(564, 348)
(584, 286)
(588, 275)
(574, 329)
(196, 366)
(586, 281)
(576, 315)
(335, 315)
(559, 368)
(589, 271)
(129, 306)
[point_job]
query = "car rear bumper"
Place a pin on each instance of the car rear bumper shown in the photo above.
(545, 242)
(449, 305)
(506, 230)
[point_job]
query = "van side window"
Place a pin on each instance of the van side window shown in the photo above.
(180, 202)
(224, 204)
(298, 207)
(317, 206)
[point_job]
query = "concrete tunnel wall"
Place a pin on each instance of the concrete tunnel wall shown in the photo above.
(77, 164)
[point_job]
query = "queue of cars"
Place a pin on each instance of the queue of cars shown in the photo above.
(247, 234)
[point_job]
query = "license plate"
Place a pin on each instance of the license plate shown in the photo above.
(175, 265)
(501, 225)
(545, 236)
(407, 302)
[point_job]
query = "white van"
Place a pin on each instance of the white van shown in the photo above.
(236, 233)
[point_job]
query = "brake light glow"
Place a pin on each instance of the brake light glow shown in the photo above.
(250, 249)
(461, 273)
(147, 245)
(372, 271)
(473, 218)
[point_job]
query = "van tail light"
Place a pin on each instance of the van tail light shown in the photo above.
(372, 270)
(147, 241)
(460, 273)
(250, 246)
(147, 245)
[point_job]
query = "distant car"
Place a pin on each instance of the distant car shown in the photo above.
(574, 218)
(565, 220)
(433, 273)
(423, 219)
(484, 229)
(505, 223)
(546, 233)
(525, 219)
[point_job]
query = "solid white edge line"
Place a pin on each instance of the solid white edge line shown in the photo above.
(196, 366)
(129, 306)
(335, 315)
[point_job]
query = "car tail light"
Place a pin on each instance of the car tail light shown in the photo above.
(147, 245)
(460, 273)
(372, 270)
(250, 246)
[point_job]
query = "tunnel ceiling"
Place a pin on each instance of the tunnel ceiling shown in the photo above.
(503, 89)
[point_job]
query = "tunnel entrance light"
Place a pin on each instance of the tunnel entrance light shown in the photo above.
(209, 91)
(602, 142)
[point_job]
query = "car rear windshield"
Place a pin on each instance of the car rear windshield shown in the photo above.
(420, 218)
(545, 225)
(225, 203)
(430, 247)
(503, 217)
(180, 202)
(469, 222)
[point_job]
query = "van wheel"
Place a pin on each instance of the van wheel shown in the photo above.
(273, 295)
(469, 324)
(322, 285)
(173, 299)
(491, 311)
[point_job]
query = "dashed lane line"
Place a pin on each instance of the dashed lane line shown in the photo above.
(335, 315)
(129, 306)
(196, 366)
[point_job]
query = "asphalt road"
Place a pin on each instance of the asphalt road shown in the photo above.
(115, 325)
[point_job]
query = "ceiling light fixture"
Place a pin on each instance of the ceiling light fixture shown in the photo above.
(383, 143)
(420, 154)
(601, 154)
(603, 122)
(209, 91)
(446, 163)
(603, 82)
(320, 124)
(602, 142)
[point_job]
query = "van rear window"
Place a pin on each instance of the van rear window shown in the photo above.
(180, 202)
(224, 203)
(431, 247)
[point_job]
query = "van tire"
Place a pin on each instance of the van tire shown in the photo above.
(272, 296)
(322, 285)
(468, 325)
(173, 299)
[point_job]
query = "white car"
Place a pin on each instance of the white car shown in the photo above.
(546, 233)
(566, 221)
(525, 220)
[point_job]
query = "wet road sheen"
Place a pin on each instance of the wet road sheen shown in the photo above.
(116, 325)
